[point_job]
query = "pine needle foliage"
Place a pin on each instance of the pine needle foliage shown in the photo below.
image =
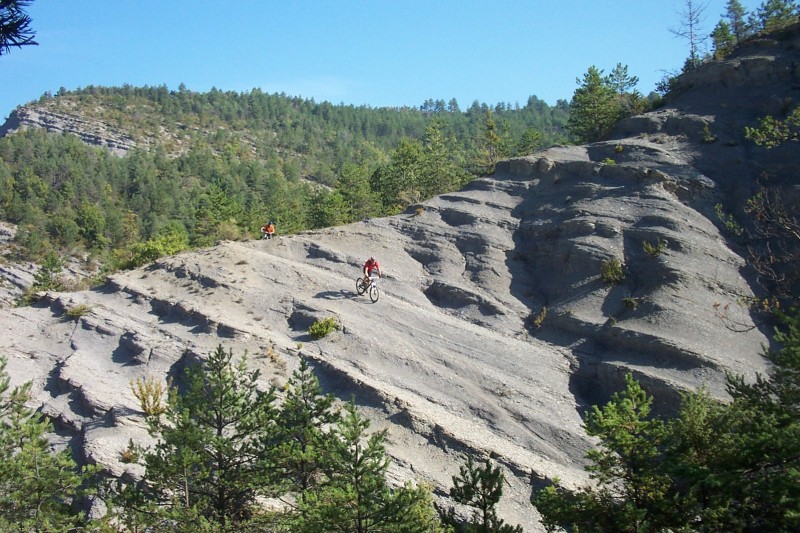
(210, 462)
(38, 486)
(355, 495)
(479, 486)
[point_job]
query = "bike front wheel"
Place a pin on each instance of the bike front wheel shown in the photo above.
(374, 292)
(361, 287)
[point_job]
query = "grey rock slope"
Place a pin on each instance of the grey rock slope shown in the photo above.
(494, 330)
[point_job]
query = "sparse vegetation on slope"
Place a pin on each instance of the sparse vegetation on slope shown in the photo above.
(217, 165)
(714, 467)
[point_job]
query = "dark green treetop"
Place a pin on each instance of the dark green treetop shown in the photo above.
(479, 486)
(210, 462)
(594, 108)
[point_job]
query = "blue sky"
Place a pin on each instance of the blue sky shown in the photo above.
(377, 53)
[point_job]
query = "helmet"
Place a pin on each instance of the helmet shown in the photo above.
(270, 222)
(372, 258)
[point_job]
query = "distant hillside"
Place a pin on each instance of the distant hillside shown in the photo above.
(217, 165)
(264, 123)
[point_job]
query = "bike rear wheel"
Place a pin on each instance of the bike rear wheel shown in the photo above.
(374, 292)
(361, 288)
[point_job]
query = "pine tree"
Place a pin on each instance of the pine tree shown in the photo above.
(691, 20)
(491, 146)
(46, 278)
(775, 15)
(692, 446)
(760, 445)
(723, 40)
(620, 81)
(211, 460)
(398, 183)
(630, 101)
(529, 142)
(218, 212)
(328, 208)
(594, 108)
(353, 185)
(439, 173)
(15, 25)
(631, 491)
(301, 436)
(737, 20)
(715, 467)
(37, 486)
(480, 487)
(355, 496)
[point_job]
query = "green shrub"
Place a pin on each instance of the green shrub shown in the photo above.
(728, 221)
(609, 161)
(631, 303)
(537, 320)
(654, 249)
(612, 271)
(141, 253)
(77, 311)
(324, 327)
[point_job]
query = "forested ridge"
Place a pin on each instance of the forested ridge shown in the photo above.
(217, 165)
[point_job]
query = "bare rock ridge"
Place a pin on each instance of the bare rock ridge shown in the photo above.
(495, 329)
(92, 132)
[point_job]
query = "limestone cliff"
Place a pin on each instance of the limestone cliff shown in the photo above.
(92, 132)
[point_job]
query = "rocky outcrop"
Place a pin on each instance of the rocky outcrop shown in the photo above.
(495, 329)
(451, 358)
(92, 132)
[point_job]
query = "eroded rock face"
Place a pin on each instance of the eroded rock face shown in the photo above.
(92, 132)
(448, 359)
(495, 328)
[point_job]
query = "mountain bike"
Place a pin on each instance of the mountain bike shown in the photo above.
(371, 286)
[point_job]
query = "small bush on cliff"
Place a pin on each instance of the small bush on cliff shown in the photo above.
(77, 311)
(654, 249)
(728, 221)
(612, 271)
(631, 303)
(151, 394)
(323, 328)
(538, 319)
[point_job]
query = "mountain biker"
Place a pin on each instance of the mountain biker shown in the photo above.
(268, 230)
(370, 267)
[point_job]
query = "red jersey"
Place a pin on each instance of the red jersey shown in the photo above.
(371, 265)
